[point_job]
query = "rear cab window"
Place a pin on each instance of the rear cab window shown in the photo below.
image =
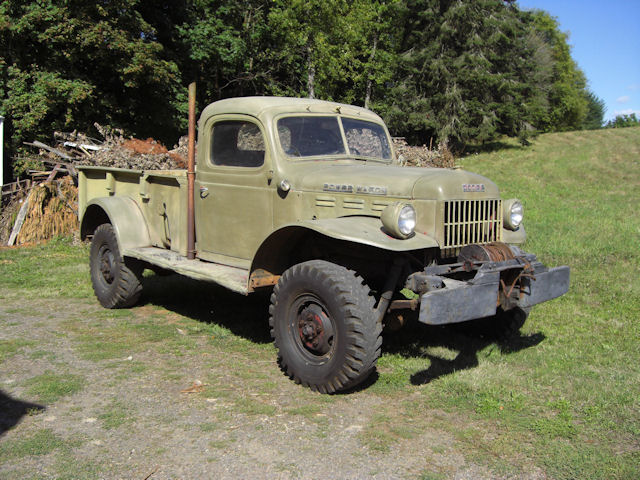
(237, 143)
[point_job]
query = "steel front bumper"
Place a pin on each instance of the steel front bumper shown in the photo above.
(453, 301)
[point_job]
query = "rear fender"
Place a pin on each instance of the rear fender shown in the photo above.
(123, 214)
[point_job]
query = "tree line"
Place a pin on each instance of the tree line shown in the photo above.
(456, 71)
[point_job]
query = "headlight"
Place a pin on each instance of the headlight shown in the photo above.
(399, 220)
(513, 213)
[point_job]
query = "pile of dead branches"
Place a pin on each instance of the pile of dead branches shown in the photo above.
(423, 156)
(47, 210)
(46, 205)
(121, 152)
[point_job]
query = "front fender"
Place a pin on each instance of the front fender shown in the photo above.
(366, 231)
(124, 215)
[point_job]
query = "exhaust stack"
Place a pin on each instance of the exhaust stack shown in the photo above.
(191, 173)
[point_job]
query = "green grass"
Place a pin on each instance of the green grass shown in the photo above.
(9, 348)
(50, 387)
(31, 270)
(41, 442)
(580, 386)
(116, 415)
(562, 396)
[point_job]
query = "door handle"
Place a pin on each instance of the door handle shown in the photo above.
(204, 192)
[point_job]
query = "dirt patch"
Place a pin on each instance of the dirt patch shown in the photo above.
(132, 418)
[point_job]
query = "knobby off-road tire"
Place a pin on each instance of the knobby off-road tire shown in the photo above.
(324, 327)
(116, 282)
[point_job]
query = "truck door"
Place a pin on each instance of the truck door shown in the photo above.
(233, 205)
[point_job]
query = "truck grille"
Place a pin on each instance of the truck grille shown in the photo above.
(470, 221)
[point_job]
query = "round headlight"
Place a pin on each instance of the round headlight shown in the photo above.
(407, 220)
(513, 214)
(399, 220)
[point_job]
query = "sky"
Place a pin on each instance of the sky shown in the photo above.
(605, 40)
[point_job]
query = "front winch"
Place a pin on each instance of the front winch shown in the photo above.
(484, 278)
(490, 252)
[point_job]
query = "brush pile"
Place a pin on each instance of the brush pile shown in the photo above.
(423, 156)
(46, 205)
(131, 153)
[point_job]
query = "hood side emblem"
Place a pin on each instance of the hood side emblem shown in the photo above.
(473, 187)
(364, 189)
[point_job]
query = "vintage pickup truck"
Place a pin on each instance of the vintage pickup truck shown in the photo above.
(306, 198)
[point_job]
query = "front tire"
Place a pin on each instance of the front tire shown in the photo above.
(324, 326)
(116, 282)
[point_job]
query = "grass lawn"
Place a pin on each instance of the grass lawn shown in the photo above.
(562, 397)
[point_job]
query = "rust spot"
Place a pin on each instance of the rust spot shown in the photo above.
(262, 278)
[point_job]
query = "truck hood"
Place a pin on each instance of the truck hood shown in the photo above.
(392, 181)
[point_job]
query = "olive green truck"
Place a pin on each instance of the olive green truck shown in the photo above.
(306, 199)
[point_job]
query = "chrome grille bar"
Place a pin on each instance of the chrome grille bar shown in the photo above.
(470, 221)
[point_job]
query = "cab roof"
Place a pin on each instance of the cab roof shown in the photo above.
(262, 107)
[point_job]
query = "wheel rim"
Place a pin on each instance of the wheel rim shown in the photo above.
(313, 330)
(107, 264)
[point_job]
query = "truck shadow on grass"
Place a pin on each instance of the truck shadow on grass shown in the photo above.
(245, 316)
(248, 317)
(467, 338)
(12, 411)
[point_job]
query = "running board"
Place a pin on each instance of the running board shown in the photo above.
(233, 278)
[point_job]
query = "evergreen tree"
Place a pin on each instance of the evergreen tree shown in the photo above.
(595, 112)
(567, 94)
(462, 73)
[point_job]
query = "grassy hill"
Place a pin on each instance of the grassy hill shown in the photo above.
(560, 399)
(565, 396)
(572, 403)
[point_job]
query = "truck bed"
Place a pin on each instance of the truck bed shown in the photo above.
(161, 196)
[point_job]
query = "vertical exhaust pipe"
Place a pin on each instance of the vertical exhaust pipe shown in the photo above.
(191, 174)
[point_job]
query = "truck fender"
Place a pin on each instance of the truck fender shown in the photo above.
(123, 214)
(367, 231)
(356, 229)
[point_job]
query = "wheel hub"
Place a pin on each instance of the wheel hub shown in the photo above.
(315, 330)
(107, 262)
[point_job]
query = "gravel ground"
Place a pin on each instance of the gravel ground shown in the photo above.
(129, 418)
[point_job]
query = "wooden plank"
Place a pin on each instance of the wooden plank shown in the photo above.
(52, 175)
(49, 149)
(11, 188)
(22, 214)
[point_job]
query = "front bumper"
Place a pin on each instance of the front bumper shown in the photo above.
(518, 282)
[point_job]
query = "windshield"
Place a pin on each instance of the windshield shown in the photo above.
(366, 139)
(311, 136)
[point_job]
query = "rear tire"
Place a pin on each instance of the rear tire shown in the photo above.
(324, 326)
(116, 281)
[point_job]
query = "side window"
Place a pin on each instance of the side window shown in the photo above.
(237, 143)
